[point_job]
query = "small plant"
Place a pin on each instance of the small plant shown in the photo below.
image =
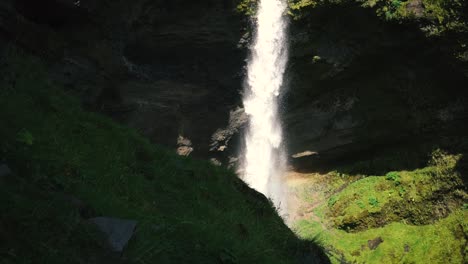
(360, 204)
(393, 176)
(396, 3)
(373, 201)
(402, 191)
(332, 201)
(25, 137)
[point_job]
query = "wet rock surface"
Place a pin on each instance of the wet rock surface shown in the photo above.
(355, 91)
(355, 82)
(5, 171)
(118, 231)
(164, 69)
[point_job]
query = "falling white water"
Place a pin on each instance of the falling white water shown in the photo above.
(263, 163)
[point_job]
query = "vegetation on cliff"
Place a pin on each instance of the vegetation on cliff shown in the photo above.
(415, 216)
(436, 18)
(69, 165)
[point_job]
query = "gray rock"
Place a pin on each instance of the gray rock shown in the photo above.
(118, 231)
(184, 150)
(374, 243)
(4, 170)
(184, 146)
(183, 141)
(215, 162)
(220, 139)
(416, 7)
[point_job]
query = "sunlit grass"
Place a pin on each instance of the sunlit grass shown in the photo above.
(442, 242)
(399, 208)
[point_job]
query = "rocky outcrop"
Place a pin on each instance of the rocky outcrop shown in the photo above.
(226, 142)
(166, 68)
(359, 85)
(117, 231)
(5, 171)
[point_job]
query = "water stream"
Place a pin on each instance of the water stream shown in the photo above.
(264, 157)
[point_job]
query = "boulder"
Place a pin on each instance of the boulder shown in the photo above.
(184, 146)
(4, 171)
(374, 243)
(118, 231)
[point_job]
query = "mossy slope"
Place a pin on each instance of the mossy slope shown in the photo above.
(188, 211)
(415, 216)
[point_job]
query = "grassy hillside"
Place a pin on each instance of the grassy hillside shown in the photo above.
(417, 216)
(69, 165)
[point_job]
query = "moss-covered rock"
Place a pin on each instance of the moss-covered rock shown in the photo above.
(420, 197)
(378, 84)
(419, 215)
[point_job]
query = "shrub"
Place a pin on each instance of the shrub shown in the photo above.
(443, 161)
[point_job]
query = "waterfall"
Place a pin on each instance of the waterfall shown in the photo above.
(264, 158)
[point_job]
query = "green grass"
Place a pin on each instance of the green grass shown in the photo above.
(188, 211)
(413, 196)
(442, 242)
(420, 215)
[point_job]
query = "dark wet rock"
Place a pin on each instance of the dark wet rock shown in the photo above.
(374, 243)
(334, 107)
(220, 139)
(55, 13)
(162, 67)
(5, 171)
(407, 248)
(225, 142)
(118, 231)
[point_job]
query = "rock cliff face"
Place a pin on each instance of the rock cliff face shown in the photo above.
(358, 84)
(167, 68)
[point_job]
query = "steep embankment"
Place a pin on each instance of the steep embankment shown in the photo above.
(68, 166)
